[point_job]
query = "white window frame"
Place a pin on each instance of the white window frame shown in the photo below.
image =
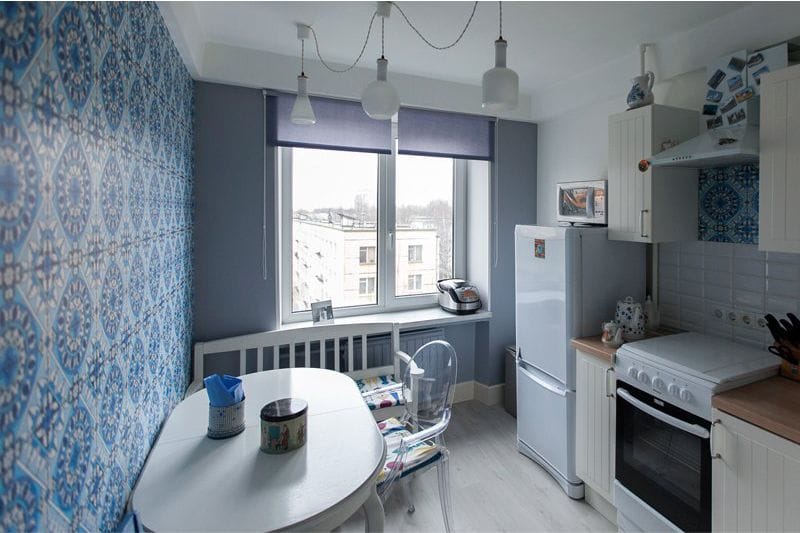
(413, 285)
(385, 282)
(417, 258)
(366, 281)
(367, 259)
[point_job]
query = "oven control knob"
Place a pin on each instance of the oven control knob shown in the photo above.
(673, 389)
(632, 372)
(685, 395)
(658, 384)
(643, 377)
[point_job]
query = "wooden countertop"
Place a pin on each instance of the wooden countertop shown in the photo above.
(594, 346)
(772, 404)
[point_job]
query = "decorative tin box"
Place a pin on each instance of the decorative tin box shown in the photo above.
(283, 425)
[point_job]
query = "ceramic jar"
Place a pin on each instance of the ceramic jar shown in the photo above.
(641, 93)
(630, 317)
(283, 425)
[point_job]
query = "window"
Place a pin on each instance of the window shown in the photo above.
(367, 231)
(366, 255)
(366, 286)
(415, 253)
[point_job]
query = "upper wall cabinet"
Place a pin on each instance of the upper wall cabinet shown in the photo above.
(779, 195)
(660, 204)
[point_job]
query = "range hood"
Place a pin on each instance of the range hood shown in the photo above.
(714, 148)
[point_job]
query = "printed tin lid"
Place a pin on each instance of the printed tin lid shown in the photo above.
(284, 409)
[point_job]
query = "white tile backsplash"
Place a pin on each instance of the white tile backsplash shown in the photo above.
(709, 286)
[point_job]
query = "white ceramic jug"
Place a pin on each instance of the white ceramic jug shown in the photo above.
(641, 94)
(630, 317)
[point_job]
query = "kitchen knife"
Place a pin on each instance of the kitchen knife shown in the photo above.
(791, 334)
(795, 321)
(775, 328)
(784, 353)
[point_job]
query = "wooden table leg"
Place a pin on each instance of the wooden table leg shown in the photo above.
(373, 510)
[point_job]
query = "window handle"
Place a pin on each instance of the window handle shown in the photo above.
(390, 242)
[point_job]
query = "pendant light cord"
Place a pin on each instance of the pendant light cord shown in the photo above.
(501, 20)
(410, 24)
(426, 41)
(360, 54)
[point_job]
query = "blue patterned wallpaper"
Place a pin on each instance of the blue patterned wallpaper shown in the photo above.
(95, 237)
(728, 204)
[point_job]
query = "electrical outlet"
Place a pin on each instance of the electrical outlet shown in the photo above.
(739, 317)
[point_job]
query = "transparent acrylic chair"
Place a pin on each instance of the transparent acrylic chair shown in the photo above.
(415, 440)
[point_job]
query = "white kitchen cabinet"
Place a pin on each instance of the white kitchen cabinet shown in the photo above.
(595, 414)
(755, 479)
(660, 204)
(779, 168)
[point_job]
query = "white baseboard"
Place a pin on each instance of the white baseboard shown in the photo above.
(473, 390)
(489, 394)
(464, 392)
(600, 504)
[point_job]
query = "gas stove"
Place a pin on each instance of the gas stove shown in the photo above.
(686, 369)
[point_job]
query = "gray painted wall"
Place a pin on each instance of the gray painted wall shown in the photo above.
(515, 172)
(232, 298)
(230, 295)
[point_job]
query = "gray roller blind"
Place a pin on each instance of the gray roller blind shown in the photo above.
(341, 125)
(437, 133)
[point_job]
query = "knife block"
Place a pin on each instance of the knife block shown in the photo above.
(788, 370)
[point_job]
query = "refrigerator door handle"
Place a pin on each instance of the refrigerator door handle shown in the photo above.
(539, 381)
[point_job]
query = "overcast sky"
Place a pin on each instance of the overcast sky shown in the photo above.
(325, 178)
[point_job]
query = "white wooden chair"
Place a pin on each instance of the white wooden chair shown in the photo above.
(325, 346)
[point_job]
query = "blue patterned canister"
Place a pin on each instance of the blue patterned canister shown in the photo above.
(283, 425)
(224, 422)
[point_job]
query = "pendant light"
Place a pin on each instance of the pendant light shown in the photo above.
(500, 84)
(380, 100)
(302, 112)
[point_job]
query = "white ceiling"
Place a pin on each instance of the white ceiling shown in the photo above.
(548, 41)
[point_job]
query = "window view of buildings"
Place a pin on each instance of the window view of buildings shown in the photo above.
(335, 257)
(334, 220)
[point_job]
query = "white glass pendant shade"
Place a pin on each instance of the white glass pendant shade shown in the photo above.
(500, 84)
(302, 113)
(380, 100)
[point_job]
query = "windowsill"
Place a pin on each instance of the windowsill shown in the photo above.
(410, 319)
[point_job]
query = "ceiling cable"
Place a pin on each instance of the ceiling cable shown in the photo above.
(410, 24)
(445, 47)
(501, 20)
(360, 54)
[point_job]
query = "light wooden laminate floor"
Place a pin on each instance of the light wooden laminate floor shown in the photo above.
(494, 487)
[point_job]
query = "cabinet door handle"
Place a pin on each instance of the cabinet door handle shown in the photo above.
(641, 222)
(714, 454)
(609, 394)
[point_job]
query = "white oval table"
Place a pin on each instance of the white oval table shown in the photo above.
(193, 483)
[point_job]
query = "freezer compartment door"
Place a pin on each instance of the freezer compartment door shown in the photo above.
(541, 299)
(546, 419)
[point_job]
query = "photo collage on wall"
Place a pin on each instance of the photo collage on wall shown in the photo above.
(732, 82)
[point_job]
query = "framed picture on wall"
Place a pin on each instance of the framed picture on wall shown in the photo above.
(322, 312)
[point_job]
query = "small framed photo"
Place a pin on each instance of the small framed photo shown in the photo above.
(322, 312)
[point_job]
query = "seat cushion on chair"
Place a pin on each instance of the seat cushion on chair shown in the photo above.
(381, 400)
(418, 456)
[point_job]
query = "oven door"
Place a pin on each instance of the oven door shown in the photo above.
(663, 457)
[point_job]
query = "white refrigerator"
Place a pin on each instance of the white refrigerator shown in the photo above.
(567, 282)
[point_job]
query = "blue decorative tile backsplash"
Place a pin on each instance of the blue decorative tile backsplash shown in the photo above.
(95, 236)
(728, 204)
